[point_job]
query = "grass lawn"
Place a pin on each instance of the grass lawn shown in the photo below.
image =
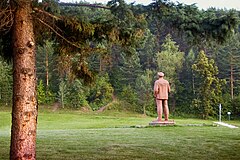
(72, 135)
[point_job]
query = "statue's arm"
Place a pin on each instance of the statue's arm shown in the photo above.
(156, 90)
(169, 88)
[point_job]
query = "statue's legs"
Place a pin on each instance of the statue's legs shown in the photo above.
(166, 110)
(159, 109)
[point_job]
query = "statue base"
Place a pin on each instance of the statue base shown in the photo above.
(162, 123)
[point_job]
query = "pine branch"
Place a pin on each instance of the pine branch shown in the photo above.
(6, 18)
(58, 34)
(46, 13)
(42, 12)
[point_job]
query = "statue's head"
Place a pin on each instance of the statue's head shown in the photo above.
(160, 74)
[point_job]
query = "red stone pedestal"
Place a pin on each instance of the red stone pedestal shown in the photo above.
(162, 123)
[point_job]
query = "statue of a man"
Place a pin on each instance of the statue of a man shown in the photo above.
(161, 90)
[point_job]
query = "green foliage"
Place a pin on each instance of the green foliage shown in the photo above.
(145, 92)
(62, 93)
(129, 95)
(227, 58)
(226, 104)
(208, 85)
(72, 94)
(128, 26)
(186, 94)
(116, 105)
(125, 70)
(170, 61)
(235, 106)
(5, 83)
(46, 62)
(81, 36)
(147, 52)
(199, 26)
(50, 6)
(46, 73)
(101, 92)
(41, 92)
(44, 96)
(231, 105)
(76, 96)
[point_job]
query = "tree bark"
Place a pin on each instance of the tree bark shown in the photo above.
(24, 110)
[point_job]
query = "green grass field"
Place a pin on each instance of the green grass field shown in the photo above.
(72, 135)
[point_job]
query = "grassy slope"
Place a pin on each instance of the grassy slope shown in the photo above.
(75, 135)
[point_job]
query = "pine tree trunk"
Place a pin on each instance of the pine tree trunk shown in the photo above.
(24, 111)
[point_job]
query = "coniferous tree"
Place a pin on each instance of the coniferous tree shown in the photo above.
(125, 69)
(100, 93)
(208, 85)
(148, 51)
(228, 61)
(187, 79)
(144, 88)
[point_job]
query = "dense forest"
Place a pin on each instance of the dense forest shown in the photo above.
(198, 50)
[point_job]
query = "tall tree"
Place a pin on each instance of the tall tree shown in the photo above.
(227, 58)
(148, 51)
(208, 85)
(24, 111)
(47, 66)
(125, 70)
(186, 77)
(144, 85)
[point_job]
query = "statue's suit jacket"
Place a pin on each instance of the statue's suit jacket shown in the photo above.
(161, 88)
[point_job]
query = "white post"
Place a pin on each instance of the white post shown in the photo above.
(220, 110)
(229, 115)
